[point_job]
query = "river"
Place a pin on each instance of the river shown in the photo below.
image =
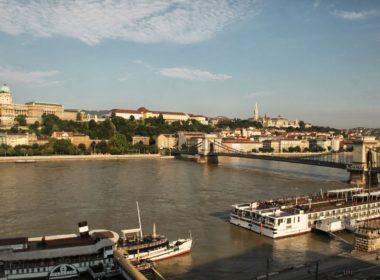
(179, 196)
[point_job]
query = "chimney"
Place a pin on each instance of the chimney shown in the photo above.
(83, 229)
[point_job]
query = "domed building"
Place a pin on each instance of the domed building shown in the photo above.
(32, 111)
(5, 95)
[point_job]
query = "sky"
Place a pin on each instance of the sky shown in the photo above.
(317, 61)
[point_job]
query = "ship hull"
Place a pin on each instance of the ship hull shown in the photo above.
(263, 230)
(169, 251)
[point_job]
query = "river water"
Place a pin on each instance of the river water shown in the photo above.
(179, 196)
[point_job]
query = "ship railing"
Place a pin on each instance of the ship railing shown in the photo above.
(52, 262)
(150, 244)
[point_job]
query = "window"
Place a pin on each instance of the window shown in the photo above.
(298, 218)
(289, 221)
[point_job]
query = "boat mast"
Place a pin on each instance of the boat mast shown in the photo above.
(138, 214)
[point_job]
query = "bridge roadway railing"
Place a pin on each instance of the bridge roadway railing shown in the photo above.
(332, 164)
(227, 151)
(230, 152)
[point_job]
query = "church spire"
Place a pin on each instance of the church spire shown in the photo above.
(256, 113)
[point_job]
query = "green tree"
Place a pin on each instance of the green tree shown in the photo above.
(79, 117)
(302, 125)
(102, 147)
(21, 120)
(82, 148)
(63, 147)
(118, 144)
(50, 123)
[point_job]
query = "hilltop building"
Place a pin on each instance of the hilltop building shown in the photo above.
(32, 111)
(279, 122)
(169, 117)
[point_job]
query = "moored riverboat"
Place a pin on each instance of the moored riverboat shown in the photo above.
(154, 247)
(285, 217)
(57, 256)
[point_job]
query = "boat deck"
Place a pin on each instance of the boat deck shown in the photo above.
(330, 200)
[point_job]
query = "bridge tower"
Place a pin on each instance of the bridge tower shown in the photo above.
(209, 148)
(364, 157)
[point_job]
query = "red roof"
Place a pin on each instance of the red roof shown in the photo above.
(128, 111)
(63, 134)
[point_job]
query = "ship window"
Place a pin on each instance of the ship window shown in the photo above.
(289, 221)
(298, 218)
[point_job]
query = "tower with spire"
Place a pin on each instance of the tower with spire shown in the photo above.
(256, 113)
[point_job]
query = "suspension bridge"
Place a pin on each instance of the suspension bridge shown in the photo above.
(209, 147)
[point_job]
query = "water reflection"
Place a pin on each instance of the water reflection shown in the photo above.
(50, 198)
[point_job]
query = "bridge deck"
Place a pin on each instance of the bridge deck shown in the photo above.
(298, 160)
(308, 161)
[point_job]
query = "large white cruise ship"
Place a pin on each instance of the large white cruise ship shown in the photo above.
(296, 215)
(58, 256)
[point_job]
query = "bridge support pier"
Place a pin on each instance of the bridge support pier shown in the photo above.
(213, 159)
(361, 178)
(363, 169)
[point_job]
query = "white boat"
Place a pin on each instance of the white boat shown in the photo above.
(25, 161)
(284, 217)
(153, 246)
(57, 256)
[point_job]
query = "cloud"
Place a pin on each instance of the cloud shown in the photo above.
(354, 15)
(262, 93)
(146, 21)
(192, 74)
(34, 78)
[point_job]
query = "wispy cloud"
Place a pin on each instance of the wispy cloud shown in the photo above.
(192, 74)
(33, 78)
(262, 93)
(137, 61)
(354, 15)
(148, 21)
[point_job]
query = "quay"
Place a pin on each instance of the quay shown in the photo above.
(128, 271)
(36, 159)
(353, 265)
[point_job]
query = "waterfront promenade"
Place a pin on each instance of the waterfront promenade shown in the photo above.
(82, 157)
(354, 265)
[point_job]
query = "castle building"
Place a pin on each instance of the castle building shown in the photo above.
(169, 117)
(32, 111)
(279, 122)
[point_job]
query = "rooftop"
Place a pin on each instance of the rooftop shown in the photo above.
(42, 103)
(5, 89)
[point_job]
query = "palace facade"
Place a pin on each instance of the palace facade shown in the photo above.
(169, 117)
(32, 111)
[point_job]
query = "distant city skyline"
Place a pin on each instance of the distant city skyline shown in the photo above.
(317, 61)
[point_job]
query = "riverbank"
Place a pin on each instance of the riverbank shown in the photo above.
(358, 265)
(30, 159)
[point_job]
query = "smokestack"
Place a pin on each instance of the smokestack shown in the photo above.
(83, 229)
(310, 203)
(154, 235)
